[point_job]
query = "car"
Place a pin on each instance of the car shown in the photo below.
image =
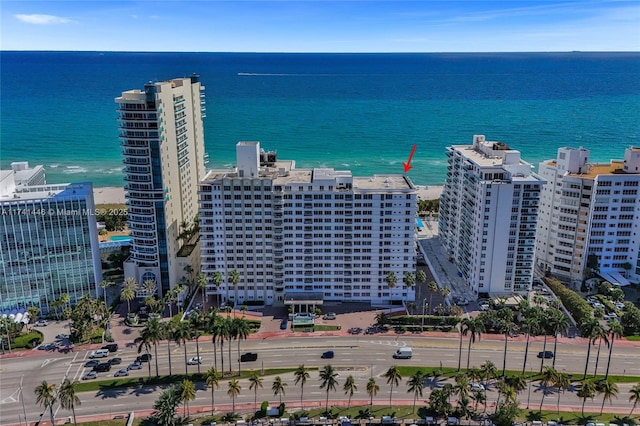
(284, 324)
(485, 307)
(619, 306)
(597, 305)
(92, 363)
(121, 373)
(329, 316)
(102, 367)
(195, 360)
(135, 366)
(90, 375)
(249, 356)
(115, 361)
(327, 355)
(143, 358)
(462, 302)
(111, 347)
(476, 387)
(41, 323)
(545, 354)
(100, 353)
(355, 330)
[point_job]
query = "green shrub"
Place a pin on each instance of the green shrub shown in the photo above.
(29, 340)
(572, 301)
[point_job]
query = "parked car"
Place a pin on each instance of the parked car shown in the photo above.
(115, 361)
(249, 356)
(545, 354)
(195, 360)
(111, 347)
(90, 375)
(121, 373)
(143, 358)
(91, 363)
(329, 316)
(327, 355)
(485, 307)
(355, 330)
(619, 306)
(284, 324)
(41, 323)
(476, 387)
(135, 366)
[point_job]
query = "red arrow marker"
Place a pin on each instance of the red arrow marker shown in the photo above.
(407, 165)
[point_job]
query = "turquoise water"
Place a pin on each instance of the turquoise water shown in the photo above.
(120, 238)
(362, 112)
(419, 222)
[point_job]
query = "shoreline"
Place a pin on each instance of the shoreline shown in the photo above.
(115, 194)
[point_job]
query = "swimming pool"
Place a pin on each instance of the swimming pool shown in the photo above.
(419, 222)
(120, 238)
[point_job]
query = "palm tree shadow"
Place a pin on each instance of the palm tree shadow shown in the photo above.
(107, 392)
(148, 389)
(549, 390)
(433, 382)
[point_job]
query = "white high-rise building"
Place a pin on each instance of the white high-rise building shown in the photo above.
(306, 234)
(488, 215)
(589, 217)
(48, 242)
(163, 148)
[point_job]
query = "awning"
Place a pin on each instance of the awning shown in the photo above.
(614, 277)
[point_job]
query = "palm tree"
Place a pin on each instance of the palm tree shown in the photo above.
(547, 378)
(531, 326)
(46, 396)
(433, 288)
(602, 336)
(166, 333)
(144, 344)
(416, 385)
(391, 281)
(212, 320)
(217, 279)
(278, 388)
(506, 327)
(421, 276)
(558, 324)
(608, 389)
(197, 324)
(241, 331)
(234, 279)
(212, 380)
(635, 397)
(255, 382)
(561, 383)
(372, 389)
(445, 292)
(328, 381)
(393, 379)
(233, 392)
(68, 398)
(478, 397)
(228, 334)
(187, 393)
(588, 329)
(181, 334)
(409, 280)
(587, 390)
(104, 285)
(128, 294)
(302, 375)
(201, 281)
(616, 331)
(462, 388)
(350, 387)
(151, 334)
(475, 328)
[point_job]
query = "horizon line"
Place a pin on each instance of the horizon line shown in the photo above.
(323, 52)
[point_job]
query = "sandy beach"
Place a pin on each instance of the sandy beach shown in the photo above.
(115, 195)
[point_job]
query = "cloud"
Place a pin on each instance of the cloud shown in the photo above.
(39, 19)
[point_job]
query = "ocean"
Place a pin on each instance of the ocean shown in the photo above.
(362, 112)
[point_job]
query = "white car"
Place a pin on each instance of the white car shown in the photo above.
(41, 323)
(485, 307)
(476, 387)
(195, 360)
(123, 372)
(90, 375)
(135, 366)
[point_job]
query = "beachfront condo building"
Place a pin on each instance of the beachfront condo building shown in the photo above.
(488, 216)
(162, 140)
(304, 236)
(589, 217)
(48, 242)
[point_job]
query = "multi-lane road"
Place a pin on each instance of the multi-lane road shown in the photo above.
(360, 356)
